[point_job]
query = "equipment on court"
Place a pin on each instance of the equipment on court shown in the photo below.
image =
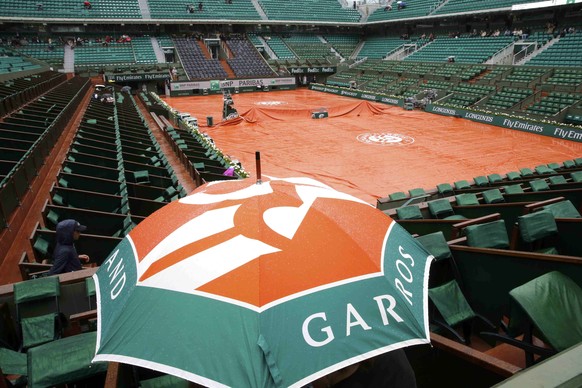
(228, 110)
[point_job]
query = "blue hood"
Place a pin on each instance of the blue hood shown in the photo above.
(65, 231)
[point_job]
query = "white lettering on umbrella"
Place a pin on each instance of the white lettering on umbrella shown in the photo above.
(407, 277)
(351, 312)
(389, 309)
(327, 330)
(114, 276)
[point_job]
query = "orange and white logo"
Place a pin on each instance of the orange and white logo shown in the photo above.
(259, 243)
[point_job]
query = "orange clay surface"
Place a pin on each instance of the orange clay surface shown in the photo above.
(435, 149)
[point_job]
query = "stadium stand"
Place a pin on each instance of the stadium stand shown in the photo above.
(196, 64)
(246, 60)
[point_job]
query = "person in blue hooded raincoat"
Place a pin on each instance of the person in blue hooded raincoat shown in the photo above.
(65, 256)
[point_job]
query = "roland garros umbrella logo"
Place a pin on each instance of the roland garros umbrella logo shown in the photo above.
(385, 139)
(300, 276)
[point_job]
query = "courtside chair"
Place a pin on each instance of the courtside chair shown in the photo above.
(37, 310)
(442, 209)
(494, 178)
(462, 184)
(492, 196)
(411, 212)
(563, 209)
(555, 166)
(544, 170)
(449, 308)
(536, 232)
(513, 176)
(467, 199)
(513, 189)
(557, 179)
(393, 197)
(417, 192)
(481, 181)
(526, 172)
(549, 307)
(539, 185)
(445, 189)
(90, 292)
(576, 176)
(488, 235)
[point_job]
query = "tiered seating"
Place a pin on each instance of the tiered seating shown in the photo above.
(247, 62)
(41, 51)
(113, 177)
(413, 9)
(165, 41)
(195, 63)
(313, 10)
(554, 103)
(565, 77)
(96, 54)
(378, 46)
(468, 94)
(19, 91)
(211, 9)
(103, 9)
(343, 44)
(525, 74)
(567, 52)
(465, 50)
(455, 6)
(28, 137)
(279, 47)
(143, 50)
(507, 98)
(308, 46)
(11, 63)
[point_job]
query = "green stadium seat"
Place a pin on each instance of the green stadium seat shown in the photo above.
(513, 189)
(493, 196)
(539, 185)
(411, 212)
(467, 199)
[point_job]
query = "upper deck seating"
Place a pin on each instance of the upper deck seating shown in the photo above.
(196, 65)
(247, 62)
(314, 10)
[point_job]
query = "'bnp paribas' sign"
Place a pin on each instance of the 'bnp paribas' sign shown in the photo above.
(312, 70)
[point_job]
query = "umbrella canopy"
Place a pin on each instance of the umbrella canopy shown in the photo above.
(261, 285)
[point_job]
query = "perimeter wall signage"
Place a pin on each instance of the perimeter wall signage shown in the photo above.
(553, 130)
(312, 70)
(357, 94)
(138, 77)
(190, 88)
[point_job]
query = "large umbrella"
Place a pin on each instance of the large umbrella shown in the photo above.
(274, 283)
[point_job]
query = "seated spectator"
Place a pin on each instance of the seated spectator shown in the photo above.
(66, 258)
(39, 6)
(190, 8)
(200, 6)
(401, 4)
(87, 5)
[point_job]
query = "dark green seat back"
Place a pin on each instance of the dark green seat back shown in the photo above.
(513, 189)
(488, 235)
(411, 212)
(563, 209)
(467, 199)
(537, 225)
(553, 303)
(441, 208)
(493, 196)
(451, 303)
(539, 185)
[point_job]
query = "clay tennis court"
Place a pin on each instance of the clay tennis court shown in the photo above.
(366, 149)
